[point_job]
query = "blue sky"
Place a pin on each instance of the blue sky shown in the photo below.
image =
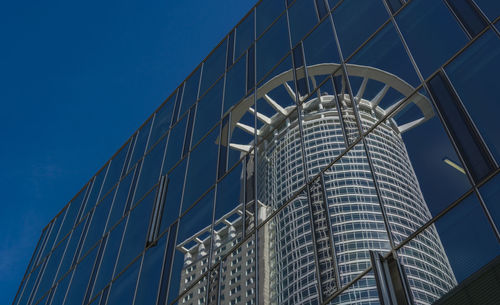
(76, 80)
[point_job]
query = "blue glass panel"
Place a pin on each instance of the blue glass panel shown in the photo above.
(208, 111)
(81, 276)
(98, 223)
(60, 292)
(56, 225)
(120, 200)
(267, 11)
(213, 67)
(474, 75)
(230, 50)
(202, 169)
(71, 214)
(167, 264)
(140, 143)
(69, 254)
(115, 169)
(251, 68)
(50, 271)
(175, 144)
(149, 279)
(95, 192)
(134, 238)
(417, 20)
(190, 94)
(244, 35)
(28, 287)
(356, 20)
(302, 17)
(490, 7)
(322, 8)
(235, 84)
(490, 193)
(150, 171)
(162, 121)
(107, 265)
(123, 288)
(173, 195)
(272, 46)
(189, 132)
(468, 16)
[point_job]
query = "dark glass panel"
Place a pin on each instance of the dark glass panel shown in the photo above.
(490, 193)
(123, 288)
(244, 35)
(191, 87)
(167, 264)
(51, 238)
(266, 12)
(394, 5)
(469, 145)
(208, 111)
(134, 238)
(60, 291)
(490, 7)
(81, 276)
(115, 170)
(24, 298)
(173, 195)
(150, 171)
(448, 252)
(36, 254)
(474, 76)
(468, 16)
(319, 49)
(95, 192)
(189, 132)
(149, 278)
(129, 202)
(302, 83)
(69, 254)
(302, 16)
(175, 144)
(107, 265)
(230, 50)
(322, 8)
(202, 169)
(71, 214)
(355, 21)
(102, 245)
(213, 67)
(251, 68)
(140, 144)
(235, 84)
(98, 223)
(120, 200)
(177, 105)
(421, 17)
(272, 46)
(193, 244)
(162, 121)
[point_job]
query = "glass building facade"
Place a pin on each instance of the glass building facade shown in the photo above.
(325, 152)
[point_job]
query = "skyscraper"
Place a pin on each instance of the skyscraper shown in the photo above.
(322, 153)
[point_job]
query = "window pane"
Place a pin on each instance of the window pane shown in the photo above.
(244, 35)
(105, 273)
(213, 67)
(149, 278)
(123, 288)
(71, 214)
(175, 144)
(447, 253)
(81, 276)
(191, 87)
(303, 18)
(201, 169)
(474, 76)
(115, 169)
(272, 46)
(120, 200)
(490, 7)
(267, 11)
(208, 111)
(150, 171)
(235, 84)
(355, 21)
(422, 17)
(134, 238)
(162, 121)
(69, 254)
(468, 16)
(173, 196)
(140, 144)
(60, 292)
(490, 193)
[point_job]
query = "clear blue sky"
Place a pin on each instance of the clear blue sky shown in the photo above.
(76, 80)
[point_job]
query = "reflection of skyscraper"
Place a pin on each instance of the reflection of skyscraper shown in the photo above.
(344, 197)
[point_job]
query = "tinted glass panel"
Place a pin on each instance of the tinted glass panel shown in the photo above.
(123, 288)
(95, 192)
(208, 111)
(272, 46)
(191, 87)
(71, 214)
(115, 170)
(213, 67)
(422, 17)
(235, 84)
(266, 12)
(120, 201)
(244, 35)
(81, 276)
(490, 7)
(175, 144)
(173, 196)
(162, 121)
(140, 144)
(150, 171)
(490, 193)
(302, 17)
